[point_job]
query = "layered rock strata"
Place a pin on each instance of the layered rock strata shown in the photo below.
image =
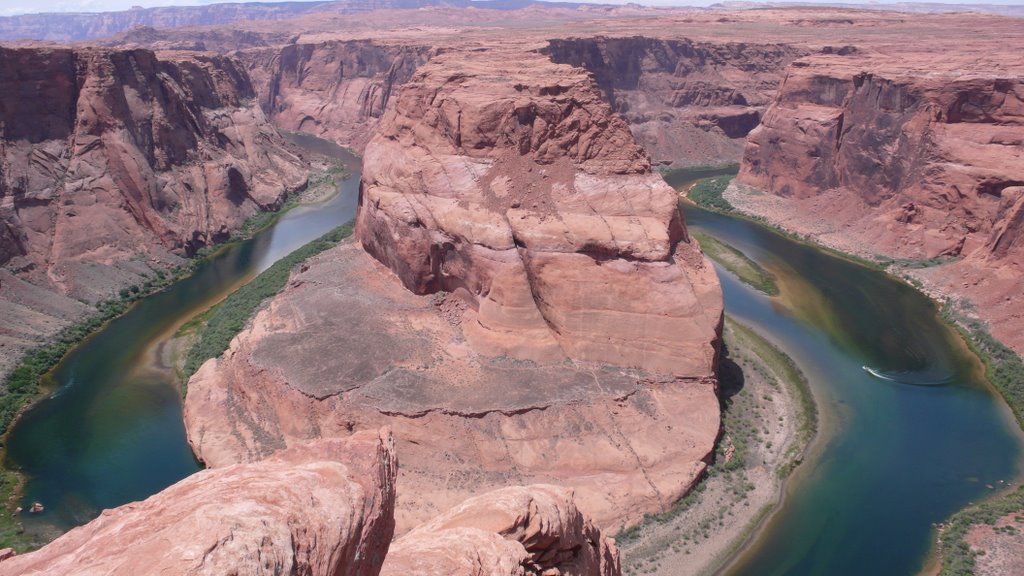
(505, 179)
(512, 531)
(685, 101)
(557, 327)
(114, 162)
(322, 509)
(909, 160)
(334, 89)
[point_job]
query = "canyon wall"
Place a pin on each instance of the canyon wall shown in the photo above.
(687, 102)
(905, 160)
(537, 313)
(115, 162)
(334, 89)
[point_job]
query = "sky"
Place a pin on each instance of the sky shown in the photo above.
(10, 7)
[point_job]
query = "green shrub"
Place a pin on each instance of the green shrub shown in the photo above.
(707, 193)
(1005, 370)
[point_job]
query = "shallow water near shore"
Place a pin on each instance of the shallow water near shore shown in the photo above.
(112, 431)
(897, 453)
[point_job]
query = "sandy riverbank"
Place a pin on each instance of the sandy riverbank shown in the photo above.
(768, 421)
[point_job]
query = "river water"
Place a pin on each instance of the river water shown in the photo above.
(899, 450)
(902, 446)
(112, 431)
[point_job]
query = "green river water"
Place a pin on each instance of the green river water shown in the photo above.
(899, 450)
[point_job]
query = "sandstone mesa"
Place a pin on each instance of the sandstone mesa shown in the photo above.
(508, 203)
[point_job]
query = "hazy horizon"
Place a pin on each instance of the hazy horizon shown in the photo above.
(15, 7)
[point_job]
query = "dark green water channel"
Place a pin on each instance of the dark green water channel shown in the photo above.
(112, 431)
(899, 450)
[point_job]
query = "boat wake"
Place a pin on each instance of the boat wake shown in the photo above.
(911, 378)
(60, 391)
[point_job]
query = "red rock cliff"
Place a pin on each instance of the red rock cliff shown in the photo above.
(325, 508)
(685, 101)
(322, 509)
(112, 161)
(122, 152)
(335, 89)
(549, 322)
(908, 159)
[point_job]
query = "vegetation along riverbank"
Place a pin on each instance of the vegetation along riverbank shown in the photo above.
(1004, 369)
(221, 323)
(734, 261)
(768, 420)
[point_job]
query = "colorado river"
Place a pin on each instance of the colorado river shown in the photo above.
(896, 453)
(112, 431)
(893, 457)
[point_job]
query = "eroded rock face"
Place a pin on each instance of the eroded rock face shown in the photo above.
(685, 101)
(325, 508)
(906, 159)
(515, 531)
(123, 149)
(505, 179)
(116, 161)
(334, 89)
(938, 151)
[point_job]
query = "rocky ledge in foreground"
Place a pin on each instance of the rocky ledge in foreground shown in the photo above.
(515, 531)
(320, 509)
(325, 509)
(550, 321)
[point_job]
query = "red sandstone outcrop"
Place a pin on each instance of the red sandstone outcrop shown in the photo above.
(512, 531)
(686, 102)
(116, 161)
(325, 508)
(345, 347)
(907, 159)
(505, 179)
(558, 326)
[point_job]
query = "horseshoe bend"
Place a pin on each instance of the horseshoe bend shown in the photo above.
(488, 288)
(490, 312)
